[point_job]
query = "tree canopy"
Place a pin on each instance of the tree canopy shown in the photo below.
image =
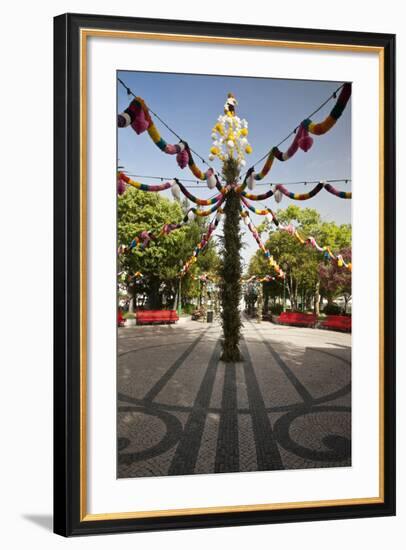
(161, 261)
(306, 270)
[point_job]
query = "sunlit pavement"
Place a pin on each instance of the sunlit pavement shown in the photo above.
(182, 411)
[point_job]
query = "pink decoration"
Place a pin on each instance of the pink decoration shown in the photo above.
(305, 141)
(171, 149)
(140, 123)
(182, 158)
(121, 186)
(145, 237)
(289, 229)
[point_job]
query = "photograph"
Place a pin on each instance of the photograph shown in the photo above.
(234, 274)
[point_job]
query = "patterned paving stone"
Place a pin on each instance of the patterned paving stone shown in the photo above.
(182, 411)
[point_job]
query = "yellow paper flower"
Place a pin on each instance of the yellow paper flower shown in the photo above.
(248, 149)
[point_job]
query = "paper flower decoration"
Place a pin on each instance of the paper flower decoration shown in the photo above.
(229, 135)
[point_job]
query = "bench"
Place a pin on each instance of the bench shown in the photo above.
(297, 319)
(337, 322)
(159, 316)
(120, 319)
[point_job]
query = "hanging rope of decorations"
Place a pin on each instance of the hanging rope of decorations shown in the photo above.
(204, 277)
(123, 180)
(271, 261)
(309, 241)
(282, 190)
(137, 115)
(302, 139)
(202, 202)
(203, 243)
(258, 279)
(146, 237)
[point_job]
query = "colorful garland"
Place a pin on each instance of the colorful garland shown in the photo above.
(297, 196)
(137, 116)
(272, 263)
(124, 179)
(337, 193)
(196, 200)
(311, 241)
(203, 243)
(144, 238)
(262, 212)
(204, 277)
(300, 196)
(261, 197)
(258, 279)
(302, 140)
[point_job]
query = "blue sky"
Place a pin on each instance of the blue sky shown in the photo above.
(190, 104)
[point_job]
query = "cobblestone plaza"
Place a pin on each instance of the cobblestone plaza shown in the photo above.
(182, 411)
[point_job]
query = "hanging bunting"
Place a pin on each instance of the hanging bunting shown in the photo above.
(196, 200)
(271, 261)
(143, 186)
(203, 243)
(137, 115)
(302, 140)
(337, 193)
(311, 241)
(298, 196)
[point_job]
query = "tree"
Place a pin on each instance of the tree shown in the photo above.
(336, 281)
(300, 262)
(160, 262)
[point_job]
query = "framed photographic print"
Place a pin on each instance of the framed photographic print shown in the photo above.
(224, 274)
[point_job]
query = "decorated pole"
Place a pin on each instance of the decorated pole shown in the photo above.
(230, 145)
(230, 272)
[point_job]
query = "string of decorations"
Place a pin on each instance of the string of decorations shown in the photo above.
(309, 241)
(302, 139)
(258, 279)
(203, 277)
(262, 183)
(130, 92)
(137, 115)
(260, 212)
(202, 202)
(176, 186)
(271, 261)
(146, 237)
(200, 247)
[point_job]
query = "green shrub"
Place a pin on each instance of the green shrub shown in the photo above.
(332, 309)
(276, 309)
(188, 309)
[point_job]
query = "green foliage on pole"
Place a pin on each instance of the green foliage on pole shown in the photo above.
(231, 269)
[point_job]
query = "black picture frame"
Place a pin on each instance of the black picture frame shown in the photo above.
(68, 520)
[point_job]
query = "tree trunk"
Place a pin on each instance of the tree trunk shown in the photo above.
(153, 293)
(230, 288)
(317, 299)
